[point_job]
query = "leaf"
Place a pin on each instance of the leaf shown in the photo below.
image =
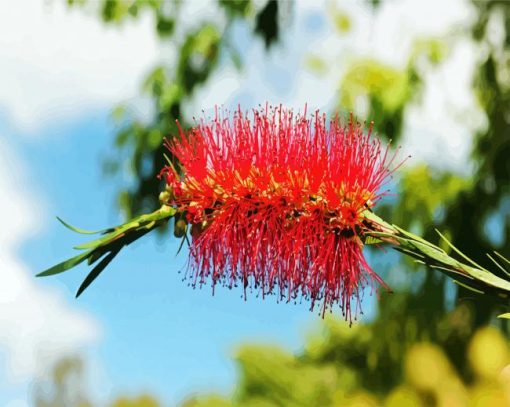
(111, 234)
(96, 271)
(372, 240)
(96, 255)
(434, 253)
(410, 253)
(78, 230)
(412, 237)
(468, 287)
(184, 239)
(488, 278)
(458, 251)
(451, 271)
(101, 241)
(502, 258)
(506, 315)
(65, 265)
(497, 264)
(117, 232)
(113, 240)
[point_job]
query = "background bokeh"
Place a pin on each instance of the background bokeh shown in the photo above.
(89, 90)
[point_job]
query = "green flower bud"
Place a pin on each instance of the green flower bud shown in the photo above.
(180, 227)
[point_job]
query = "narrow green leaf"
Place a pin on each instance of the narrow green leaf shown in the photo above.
(488, 278)
(409, 252)
(96, 271)
(96, 255)
(413, 237)
(113, 240)
(498, 265)
(435, 254)
(65, 265)
(116, 232)
(506, 315)
(110, 237)
(99, 242)
(459, 252)
(502, 258)
(184, 239)
(468, 287)
(377, 234)
(413, 254)
(451, 271)
(78, 230)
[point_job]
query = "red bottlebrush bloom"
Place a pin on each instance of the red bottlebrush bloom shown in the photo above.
(276, 203)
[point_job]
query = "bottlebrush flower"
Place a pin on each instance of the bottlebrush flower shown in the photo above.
(276, 203)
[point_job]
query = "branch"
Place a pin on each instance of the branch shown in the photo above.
(466, 273)
(105, 248)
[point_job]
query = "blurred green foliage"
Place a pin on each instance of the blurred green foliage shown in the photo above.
(385, 91)
(341, 20)
(140, 401)
(423, 348)
(64, 388)
(431, 198)
(342, 366)
(424, 195)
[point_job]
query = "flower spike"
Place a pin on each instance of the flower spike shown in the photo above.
(278, 199)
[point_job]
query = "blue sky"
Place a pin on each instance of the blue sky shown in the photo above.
(140, 327)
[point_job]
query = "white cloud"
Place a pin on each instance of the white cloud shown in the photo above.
(36, 326)
(55, 63)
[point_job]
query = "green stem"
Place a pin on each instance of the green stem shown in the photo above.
(466, 273)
